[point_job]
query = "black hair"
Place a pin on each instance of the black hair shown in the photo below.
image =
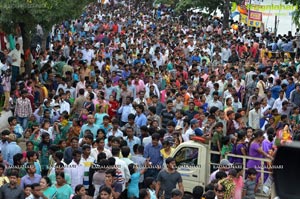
(251, 171)
(148, 181)
(210, 194)
(115, 151)
(30, 154)
(221, 175)
(143, 193)
(48, 181)
(197, 192)
(86, 146)
(112, 172)
(78, 187)
(105, 189)
(13, 173)
(17, 158)
(2, 166)
(225, 140)
(125, 150)
(131, 168)
(59, 155)
(34, 185)
(10, 119)
(101, 156)
(112, 161)
(76, 152)
(61, 174)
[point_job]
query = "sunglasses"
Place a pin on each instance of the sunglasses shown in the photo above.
(220, 191)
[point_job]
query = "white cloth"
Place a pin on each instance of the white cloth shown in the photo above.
(123, 168)
(95, 152)
(76, 172)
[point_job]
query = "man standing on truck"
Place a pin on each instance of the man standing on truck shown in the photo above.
(167, 180)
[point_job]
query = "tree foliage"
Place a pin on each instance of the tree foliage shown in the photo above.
(26, 14)
(296, 13)
(183, 5)
(43, 12)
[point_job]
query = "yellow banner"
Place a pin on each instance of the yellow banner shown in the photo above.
(243, 19)
(254, 23)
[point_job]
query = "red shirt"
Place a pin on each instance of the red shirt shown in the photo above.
(115, 28)
(112, 110)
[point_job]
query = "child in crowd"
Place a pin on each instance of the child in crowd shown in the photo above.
(250, 185)
(150, 184)
(27, 190)
(226, 146)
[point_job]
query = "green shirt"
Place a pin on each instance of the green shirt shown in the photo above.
(52, 177)
(216, 137)
(226, 149)
(50, 193)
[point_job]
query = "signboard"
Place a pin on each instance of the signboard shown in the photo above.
(255, 19)
(244, 19)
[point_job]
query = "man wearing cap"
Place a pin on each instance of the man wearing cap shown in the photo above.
(191, 131)
(23, 109)
(224, 166)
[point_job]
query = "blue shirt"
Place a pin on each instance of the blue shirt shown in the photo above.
(99, 118)
(275, 91)
(125, 110)
(153, 152)
(106, 129)
(93, 128)
(11, 150)
(289, 89)
(26, 180)
(140, 120)
(132, 142)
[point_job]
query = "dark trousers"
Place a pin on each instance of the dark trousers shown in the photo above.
(14, 75)
(151, 173)
(214, 159)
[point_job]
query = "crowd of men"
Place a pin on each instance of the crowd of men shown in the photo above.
(115, 91)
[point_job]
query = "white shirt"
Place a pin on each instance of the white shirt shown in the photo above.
(76, 172)
(123, 168)
(226, 53)
(117, 133)
(254, 117)
(95, 152)
(186, 135)
(64, 106)
(16, 55)
(278, 103)
(88, 55)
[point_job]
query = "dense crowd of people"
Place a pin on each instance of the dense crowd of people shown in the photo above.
(118, 89)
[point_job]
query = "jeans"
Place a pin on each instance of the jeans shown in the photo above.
(14, 75)
(23, 121)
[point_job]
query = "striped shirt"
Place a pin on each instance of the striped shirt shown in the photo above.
(87, 163)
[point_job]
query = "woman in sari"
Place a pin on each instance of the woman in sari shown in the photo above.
(47, 190)
(63, 190)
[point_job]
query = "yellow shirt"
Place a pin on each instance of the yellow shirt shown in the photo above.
(3, 180)
(164, 154)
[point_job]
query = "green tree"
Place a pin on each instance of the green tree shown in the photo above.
(208, 5)
(26, 14)
(296, 13)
